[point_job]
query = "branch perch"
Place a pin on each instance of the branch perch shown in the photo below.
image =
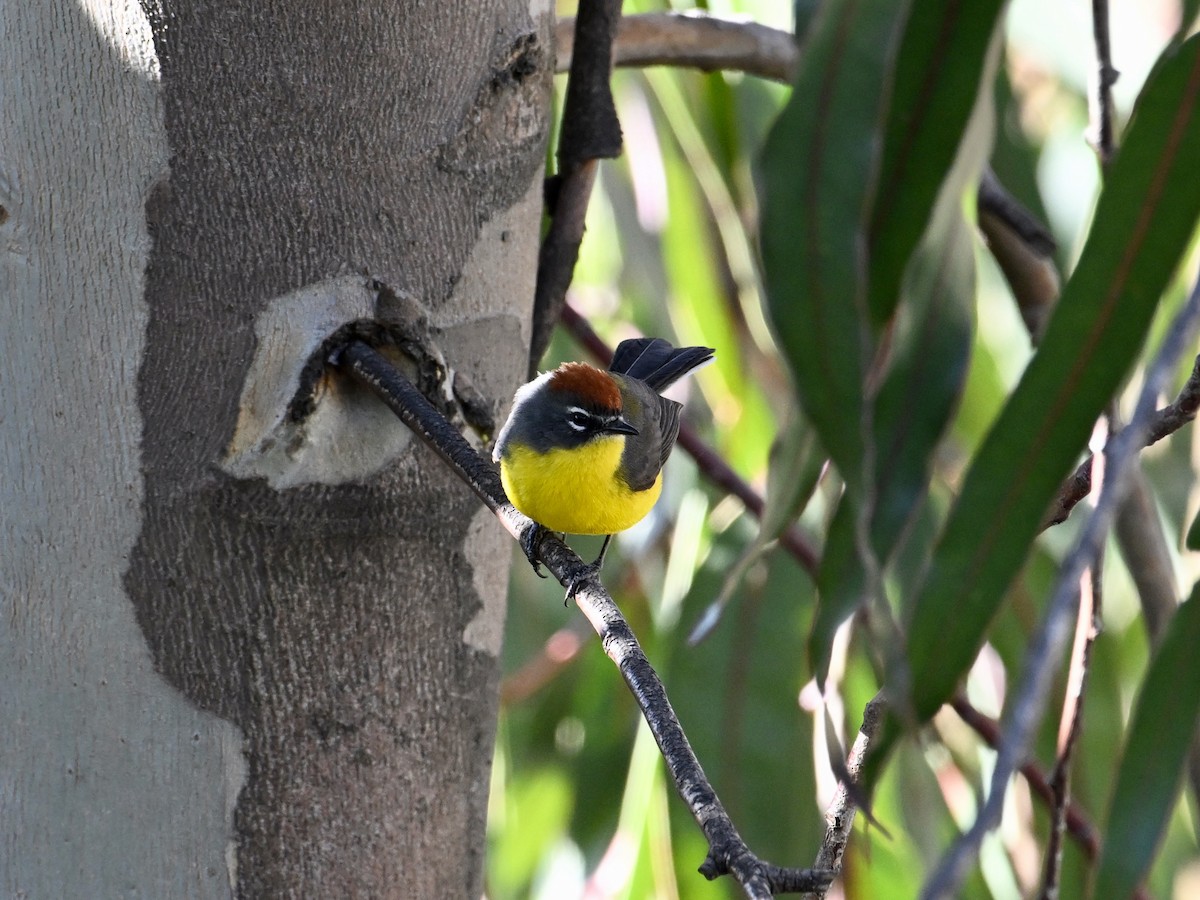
(728, 853)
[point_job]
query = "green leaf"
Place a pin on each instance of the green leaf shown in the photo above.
(1193, 534)
(1161, 731)
(942, 64)
(1143, 221)
(931, 342)
(818, 176)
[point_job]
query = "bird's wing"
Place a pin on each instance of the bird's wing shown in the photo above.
(647, 451)
(669, 426)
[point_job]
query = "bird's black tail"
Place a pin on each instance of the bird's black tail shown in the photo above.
(656, 362)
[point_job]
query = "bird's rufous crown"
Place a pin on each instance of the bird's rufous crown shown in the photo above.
(588, 383)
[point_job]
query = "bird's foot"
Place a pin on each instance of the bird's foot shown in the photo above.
(531, 540)
(579, 578)
(586, 572)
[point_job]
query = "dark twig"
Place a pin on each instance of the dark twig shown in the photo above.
(1028, 702)
(590, 132)
(728, 853)
(1106, 77)
(1165, 422)
(709, 462)
(559, 253)
(1077, 822)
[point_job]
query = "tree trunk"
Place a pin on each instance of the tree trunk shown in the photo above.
(243, 654)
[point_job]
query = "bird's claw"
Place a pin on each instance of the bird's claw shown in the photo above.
(531, 540)
(578, 578)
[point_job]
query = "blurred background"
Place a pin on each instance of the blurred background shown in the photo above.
(581, 806)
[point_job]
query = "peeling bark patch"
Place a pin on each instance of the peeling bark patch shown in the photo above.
(296, 414)
(348, 435)
(489, 553)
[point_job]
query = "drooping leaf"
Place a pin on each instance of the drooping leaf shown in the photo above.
(1145, 216)
(818, 177)
(1161, 731)
(942, 63)
(930, 343)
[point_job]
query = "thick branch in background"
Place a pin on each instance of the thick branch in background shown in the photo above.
(1024, 249)
(693, 41)
(728, 853)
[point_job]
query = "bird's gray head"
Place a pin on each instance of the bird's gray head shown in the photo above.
(565, 408)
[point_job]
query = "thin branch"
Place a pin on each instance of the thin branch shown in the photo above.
(1077, 823)
(1165, 422)
(1147, 558)
(590, 132)
(839, 818)
(1087, 627)
(696, 41)
(559, 253)
(728, 853)
(1024, 249)
(1025, 711)
(1106, 77)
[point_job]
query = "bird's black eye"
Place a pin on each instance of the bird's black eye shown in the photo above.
(579, 420)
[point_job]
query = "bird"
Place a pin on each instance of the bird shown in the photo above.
(583, 448)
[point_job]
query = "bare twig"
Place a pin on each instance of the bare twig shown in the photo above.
(1144, 548)
(728, 853)
(1106, 77)
(1027, 706)
(1166, 421)
(839, 818)
(559, 253)
(710, 463)
(590, 132)
(1077, 822)
(696, 41)
(1086, 629)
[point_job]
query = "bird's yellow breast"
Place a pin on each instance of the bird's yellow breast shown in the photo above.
(576, 491)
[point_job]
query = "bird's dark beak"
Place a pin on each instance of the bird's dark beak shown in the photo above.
(619, 426)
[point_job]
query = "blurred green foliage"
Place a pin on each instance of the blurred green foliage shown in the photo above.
(581, 805)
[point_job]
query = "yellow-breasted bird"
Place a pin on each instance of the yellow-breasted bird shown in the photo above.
(583, 449)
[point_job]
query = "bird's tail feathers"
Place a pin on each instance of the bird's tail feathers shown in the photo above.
(656, 362)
